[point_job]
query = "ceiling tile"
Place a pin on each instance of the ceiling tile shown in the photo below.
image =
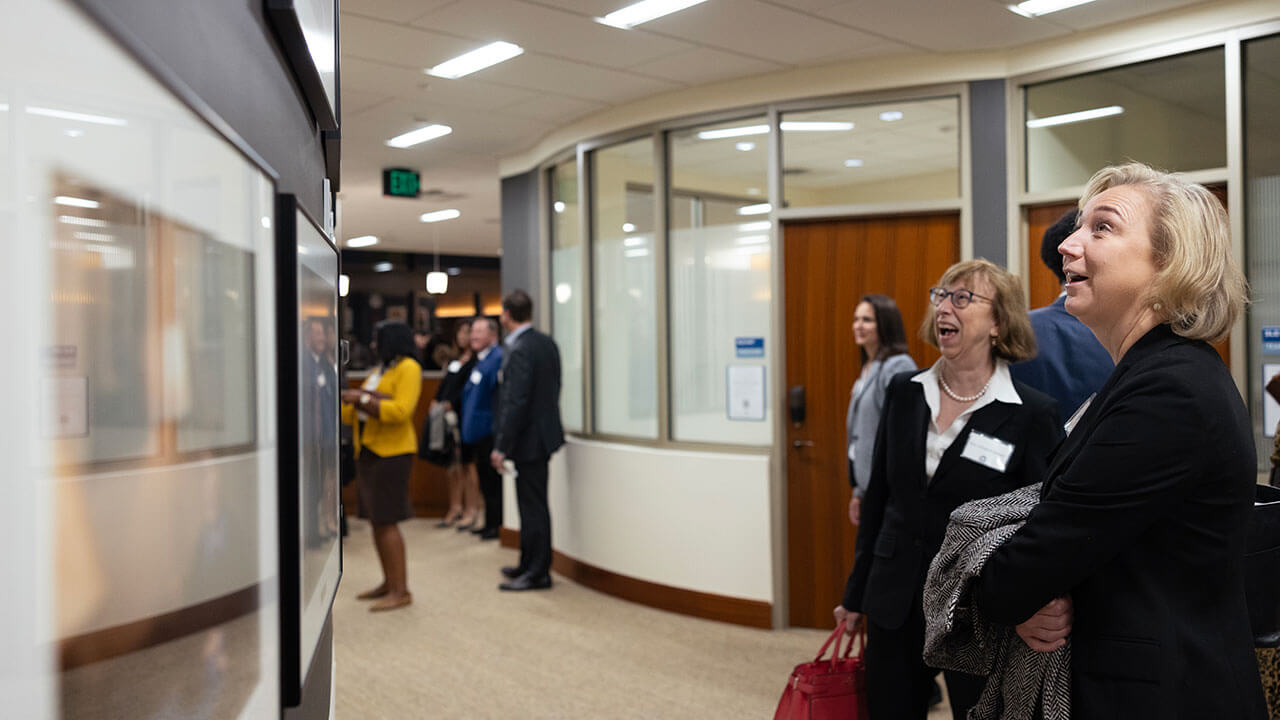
(1113, 11)
(550, 31)
(355, 102)
(584, 82)
(586, 8)
(400, 11)
(553, 108)
(704, 65)
(769, 32)
(957, 25)
(398, 44)
(409, 84)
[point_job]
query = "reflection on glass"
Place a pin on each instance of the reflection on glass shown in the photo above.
(1262, 218)
(567, 290)
(624, 323)
(720, 276)
(1168, 113)
(904, 151)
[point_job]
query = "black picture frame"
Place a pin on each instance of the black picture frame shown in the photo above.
(293, 21)
(308, 458)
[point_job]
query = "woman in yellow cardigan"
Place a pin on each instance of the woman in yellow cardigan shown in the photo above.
(385, 449)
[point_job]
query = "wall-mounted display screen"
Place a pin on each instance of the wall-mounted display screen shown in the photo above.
(310, 546)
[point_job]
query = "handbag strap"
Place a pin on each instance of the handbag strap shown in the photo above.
(837, 654)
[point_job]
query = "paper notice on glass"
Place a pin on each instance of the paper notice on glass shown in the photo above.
(1270, 408)
(744, 392)
(66, 407)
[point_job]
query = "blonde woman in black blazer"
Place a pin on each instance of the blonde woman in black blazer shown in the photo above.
(1135, 550)
(958, 431)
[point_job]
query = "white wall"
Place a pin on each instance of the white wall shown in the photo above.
(692, 520)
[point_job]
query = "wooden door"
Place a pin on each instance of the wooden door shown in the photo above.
(1043, 287)
(829, 265)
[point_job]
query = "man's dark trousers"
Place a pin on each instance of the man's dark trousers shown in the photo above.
(535, 518)
(490, 485)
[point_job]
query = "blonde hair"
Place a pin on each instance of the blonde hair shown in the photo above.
(1198, 288)
(1016, 341)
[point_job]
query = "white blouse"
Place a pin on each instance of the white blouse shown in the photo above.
(939, 439)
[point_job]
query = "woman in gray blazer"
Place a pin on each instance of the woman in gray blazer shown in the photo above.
(879, 334)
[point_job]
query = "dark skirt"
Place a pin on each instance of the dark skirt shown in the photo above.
(383, 484)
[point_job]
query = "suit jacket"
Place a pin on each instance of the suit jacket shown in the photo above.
(477, 397)
(1071, 364)
(1142, 522)
(866, 403)
(528, 427)
(904, 516)
(392, 432)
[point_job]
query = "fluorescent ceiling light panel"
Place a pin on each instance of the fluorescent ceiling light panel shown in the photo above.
(421, 135)
(746, 146)
(815, 126)
(759, 209)
(78, 117)
(634, 241)
(76, 202)
(383, 266)
(755, 226)
(636, 252)
(477, 59)
(362, 241)
(439, 215)
(733, 132)
(86, 222)
(644, 11)
(891, 115)
(1076, 117)
(95, 237)
(628, 227)
(1036, 8)
(853, 162)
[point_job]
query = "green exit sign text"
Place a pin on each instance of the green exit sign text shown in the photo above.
(400, 182)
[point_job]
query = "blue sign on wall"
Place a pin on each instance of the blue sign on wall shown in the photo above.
(748, 347)
(1271, 339)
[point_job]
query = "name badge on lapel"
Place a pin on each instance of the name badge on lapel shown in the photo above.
(476, 377)
(988, 451)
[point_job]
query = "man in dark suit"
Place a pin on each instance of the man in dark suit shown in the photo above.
(527, 432)
(1071, 364)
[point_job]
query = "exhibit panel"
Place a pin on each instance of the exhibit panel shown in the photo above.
(147, 310)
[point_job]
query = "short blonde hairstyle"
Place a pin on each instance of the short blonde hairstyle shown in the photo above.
(1198, 288)
(1016, 340)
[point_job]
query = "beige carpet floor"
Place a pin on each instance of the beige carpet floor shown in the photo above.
(465, 650)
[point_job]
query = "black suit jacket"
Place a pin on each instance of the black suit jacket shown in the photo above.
(528, 425)
(904, 516)
(1142, 522)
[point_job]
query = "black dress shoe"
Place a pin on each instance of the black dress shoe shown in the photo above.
(511, 572)
(464, 528)
(477, 530)
(489, 535)
(527, 582)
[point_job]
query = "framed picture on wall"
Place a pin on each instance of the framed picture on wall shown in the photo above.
(308, 32)
(307, 265)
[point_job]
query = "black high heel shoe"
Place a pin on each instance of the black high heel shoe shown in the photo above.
(448, 521)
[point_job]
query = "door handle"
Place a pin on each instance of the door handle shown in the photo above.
(797, 444)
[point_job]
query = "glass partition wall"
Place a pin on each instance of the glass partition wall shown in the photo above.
(567, 290)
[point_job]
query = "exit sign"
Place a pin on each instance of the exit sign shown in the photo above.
(400, 182)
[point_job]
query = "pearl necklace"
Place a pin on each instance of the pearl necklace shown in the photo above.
(961, 398)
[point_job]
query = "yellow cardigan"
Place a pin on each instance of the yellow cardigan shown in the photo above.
(393, 431)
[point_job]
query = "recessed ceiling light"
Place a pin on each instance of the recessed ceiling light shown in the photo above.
(76, 202)
(1036, 8)
(477, 59)
(891, 115)
(628, 227)
(1076, 117)
(853, 162)
(421, 135)
(559, 206)
(758, 209)
(383, 266)
(78, 117)
(733, 132)
(815, 126)
(362, 241)
(439, 215)
(746, 146)
(644, 11)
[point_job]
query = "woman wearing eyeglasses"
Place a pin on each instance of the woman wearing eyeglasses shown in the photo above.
(958, 431)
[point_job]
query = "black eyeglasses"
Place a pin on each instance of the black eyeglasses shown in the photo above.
(959, 298)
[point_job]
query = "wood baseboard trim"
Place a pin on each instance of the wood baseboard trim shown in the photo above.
(751, 613)
(141, 634)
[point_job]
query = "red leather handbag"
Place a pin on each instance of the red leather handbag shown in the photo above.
(834, 689)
